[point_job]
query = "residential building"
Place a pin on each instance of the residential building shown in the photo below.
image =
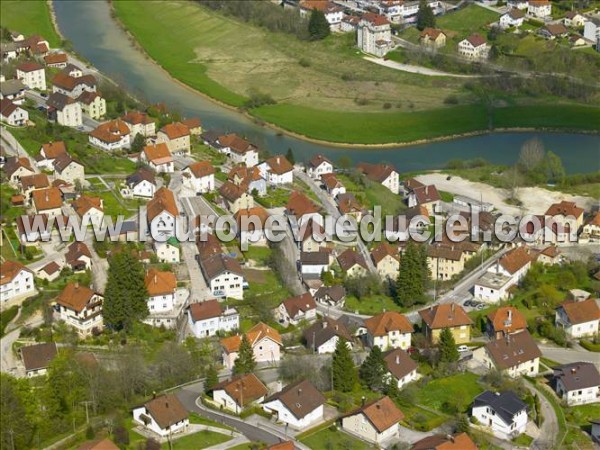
(161, 287)
(578, 318)
(68, 169)
(505, 320)
(451, 316)
(519, 4)
(265, 341)
(298, 405)
(322, 337)
(33, 228)
(541, 9)
(277, 170)
(319, 165)
(512, 18)
(553, 31)
(89, 209)
(139, 123)
(140, 184)
(353, 263)
(387, 330)
(333, 13)
(168, 251)
(112, 135)
(200, 176)
(333, 186)
(37, 358)
(49, 152)
(549, 255)
(374, 34)
(47, 201)
(164, 415)
(194, 125)
(433, 38)
(568, 215)
(457, 441)
(78, 257)
(16, 168)
(252, 226)
(311, 236)
(32, 183)
(50, 271)
(248, 179)
(313, 264)
(209, 318)
(81, 308)
(158, 157)
(32, 74)
(239, 392)
(296, 309)
(427, 196)
(64, 110)
(591, 30)
(92, 104)
(223, 275)
(13, 114)
(162, 212)
(383, 174)
(239, 150)
(56, 60)
(513, 264)
(235, 197)
(514, 354)
(376, 421)
(16, 282)
(474, 47)
(177, 137)
(577, 383)
(445, 261)
(591, 229)
(13, 90)
(492, 287)
(349, 206)
(302, 209)
(503, 413)
(402, 369)
(331, 295)
(72, 82)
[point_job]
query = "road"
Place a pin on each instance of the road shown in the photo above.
(14, 148)
(569, 355)
(8, 361)
(549, 429)
(416, 69)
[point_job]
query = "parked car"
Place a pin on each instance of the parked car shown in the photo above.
(462, 348)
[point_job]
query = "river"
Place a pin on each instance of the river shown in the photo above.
(96, 36)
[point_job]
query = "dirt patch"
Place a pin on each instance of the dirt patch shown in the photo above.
(254, 276)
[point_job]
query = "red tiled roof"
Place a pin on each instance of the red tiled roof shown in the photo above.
(205, 310)
(299, 204)
(515, 259)
(581, 312)
(29, 66)
(175, 130)
(9, 270)
(382, 413)
(299, 303)
(160, 283)
(500, 322)
(201, 169)
(565, 208)
(382, 324)
(75, 297)
(55, 58)
(112, 131)
(279, 164)
(445, 316)
(163, 200)
(49, 198)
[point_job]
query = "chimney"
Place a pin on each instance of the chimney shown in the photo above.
(426, 190)
(278, 159)
(77, 285)
(573, 370)
(510, 315)
(324, 324)
(155, 278)
(362, 401)
(299, 392)
(452, 307)
(397, 359)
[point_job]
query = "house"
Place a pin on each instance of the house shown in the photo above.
(503, 413)
(81, 308)
(9, 51)
(549, 255)
(296, 309)
(208, 318)
(433, 38)
(591, 229)
(591, 29)
(539, 8)
(139, 123)
(386, 260)
(313, 264)
(200, 176)
(387, 330)
(37, 358)
(574, 19)
(239, 392)
(505, 320)
(64, 110)
(50, 271)
(578, 318)
(349, 24)
(32, 74)
(92, 104)
(568, 215)
(194, 125)
(374, 34)
(277, 170)
(32, 183)
(333, 13)
(158, 157)
(235, 197)
(553, 31)
(402, 369)
(16, 282)
(89, 209)
(445, 260)
(13, 90)
(427, 196)
(332, 185)
(177, 137)
(265, 341)
(47, 201)
(319, 165)
(164, 415)
(298, 405)
(322, 337)
(519, 4)
(49, 152)
(578, 295)
(375, 421)
(68, 170)
(112, 135)
(56, 60)
(161, 287)
(311, 236)
(383, 174)
(457, 441)
(577, 383)
(141, 184)
(162, 213)
(352, 263)
(249, 179)
(223, 275)
(98, 444)
(513, 18)
(515, 354)
(451, 316)
(349, 206)
(331, 295)
(575, 40)
(13, 114)
(72, 82)
(475, 47)
(78, 257)
(15, 168)
(302, 209)
(252, 226)
(167, 252)
(238, 149)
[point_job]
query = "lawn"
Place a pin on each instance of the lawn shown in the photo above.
(570, 117)
(197, 419)
(6, 317)
(458, 390)
(205, 153)
(29, 17)
(469, 20)
(8, 212)
(261, 255)
(371, 305)
(275, 198)
(202, 439)
(421, 419)
(523, 440)
(113, 207)
(334, 439)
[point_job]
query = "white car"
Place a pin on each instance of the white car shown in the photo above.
(463, 348)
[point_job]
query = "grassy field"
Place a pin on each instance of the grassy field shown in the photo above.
(29, 17)
(371, 305)
(549, 116)
(457, 388)
(466, 21)
(202, 439)
(328, 439)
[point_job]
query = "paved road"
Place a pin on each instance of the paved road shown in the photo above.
(8, 361)
(569, 355)
(14, 148)
(549, 429)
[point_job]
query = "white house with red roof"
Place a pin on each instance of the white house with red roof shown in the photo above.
(374, 34)
(319, 165)
(539, 8)
(13, 114)
(200, 176)
(295, 309)
(158, 157)
(32, 74)
(333, 13)
(209, 317)
(474, 47)
(277, 170)
(16, 282)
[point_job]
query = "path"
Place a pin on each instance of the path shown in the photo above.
(549, 428)
(416, 69)
(8, 361)
(13, 147)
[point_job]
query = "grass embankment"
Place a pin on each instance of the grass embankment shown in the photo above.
(29, 17)
(333, 438)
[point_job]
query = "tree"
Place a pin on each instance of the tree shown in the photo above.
(532, 155)
(318, 27)
(212, 379)
(245, 362)
(373, 369)
(290, 156)
(138, 143)
(16, 428)
(447, 347)
(555, 171)
(344, 373)
(125, 296)
(425, 16)
(413, 275)
(462, 424)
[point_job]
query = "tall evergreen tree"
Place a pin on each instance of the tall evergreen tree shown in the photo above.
(139, 141)
(373, 370)
(245, 362)
(211, 380)
(447, 347)
(425, 16)
(412, 276)
(125, 295)
(318, 27)
(344, 373)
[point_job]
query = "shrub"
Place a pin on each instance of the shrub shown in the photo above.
(387, 105)
(258, 99)
(304, 62)
(590, 346)
(451, 100)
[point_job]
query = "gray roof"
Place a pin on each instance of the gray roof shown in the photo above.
(11, 87)
(59, 101)
(579, 375)
(314, 258)
(506, 404)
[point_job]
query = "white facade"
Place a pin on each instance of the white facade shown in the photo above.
(200, 185)
(329, 346)
(575, 331)
(226, 322)
(507, 21)
(539, 9)
(393, 339)
(470, 51)
(144, 189)
(153, 426)
(19, 287)
(361, 426)
(34, 79)
(323, 168)
(123, 142)
(274, 178)
(17, 117)
(250, 158)
(166, 252)
(222, 398)
(227, 284)
(158, 304)
(392, 182)
(70, 115)
(578, 396)
(408, 378)
(285, 415)
(163, 224)
(374, 38)
(591, 30)
(86, 320)
(488, 418)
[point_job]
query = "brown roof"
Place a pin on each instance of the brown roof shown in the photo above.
(286, 445)
(75, 251)
(87, 97)
(192, 123)
(65, 81)
(324, 6)
(55, 58)
(166, 410)
(312, 230)
(9, 270)
(460, 441)
(59, 101)
(205, 310)
(7, 107)
(36, 181)
(258, 211)
(515, 259)
(500, 322)
(49, 198)
(255, 334)
(426, 194)
(432, 33)
(75, 296)
(140, 175)
(201, 169)
(579, 375)
(242, 176)
(13, 164)
(175, 130)
(516, 13)
(321, 332)
(476, 40)
(565, 208)
(376, 172)
(158, 154)
(349, 259)
(231, 192)
(136, 118)
(335, 293)
(445, 316)
(104, 444)
(160, 283)
(299, 303)
(61, 162)
(375, 19)
(111, 131)
(215, 265)
(243, 389)
(581, 312)
(556, 29)
(54, 149)
(330, 181)
(317, 160)
(84, 203)
(300, 398)
(279, 164)
(382, 413)
(513, 349)
(443, 251)
(299, 205)
(348, 204)
(38, 356)
(399, 363)
(163, 200)
(236, 143)
(382, 250)
(29, 66)
(382, 324)
(50, 268)
(209, 246)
